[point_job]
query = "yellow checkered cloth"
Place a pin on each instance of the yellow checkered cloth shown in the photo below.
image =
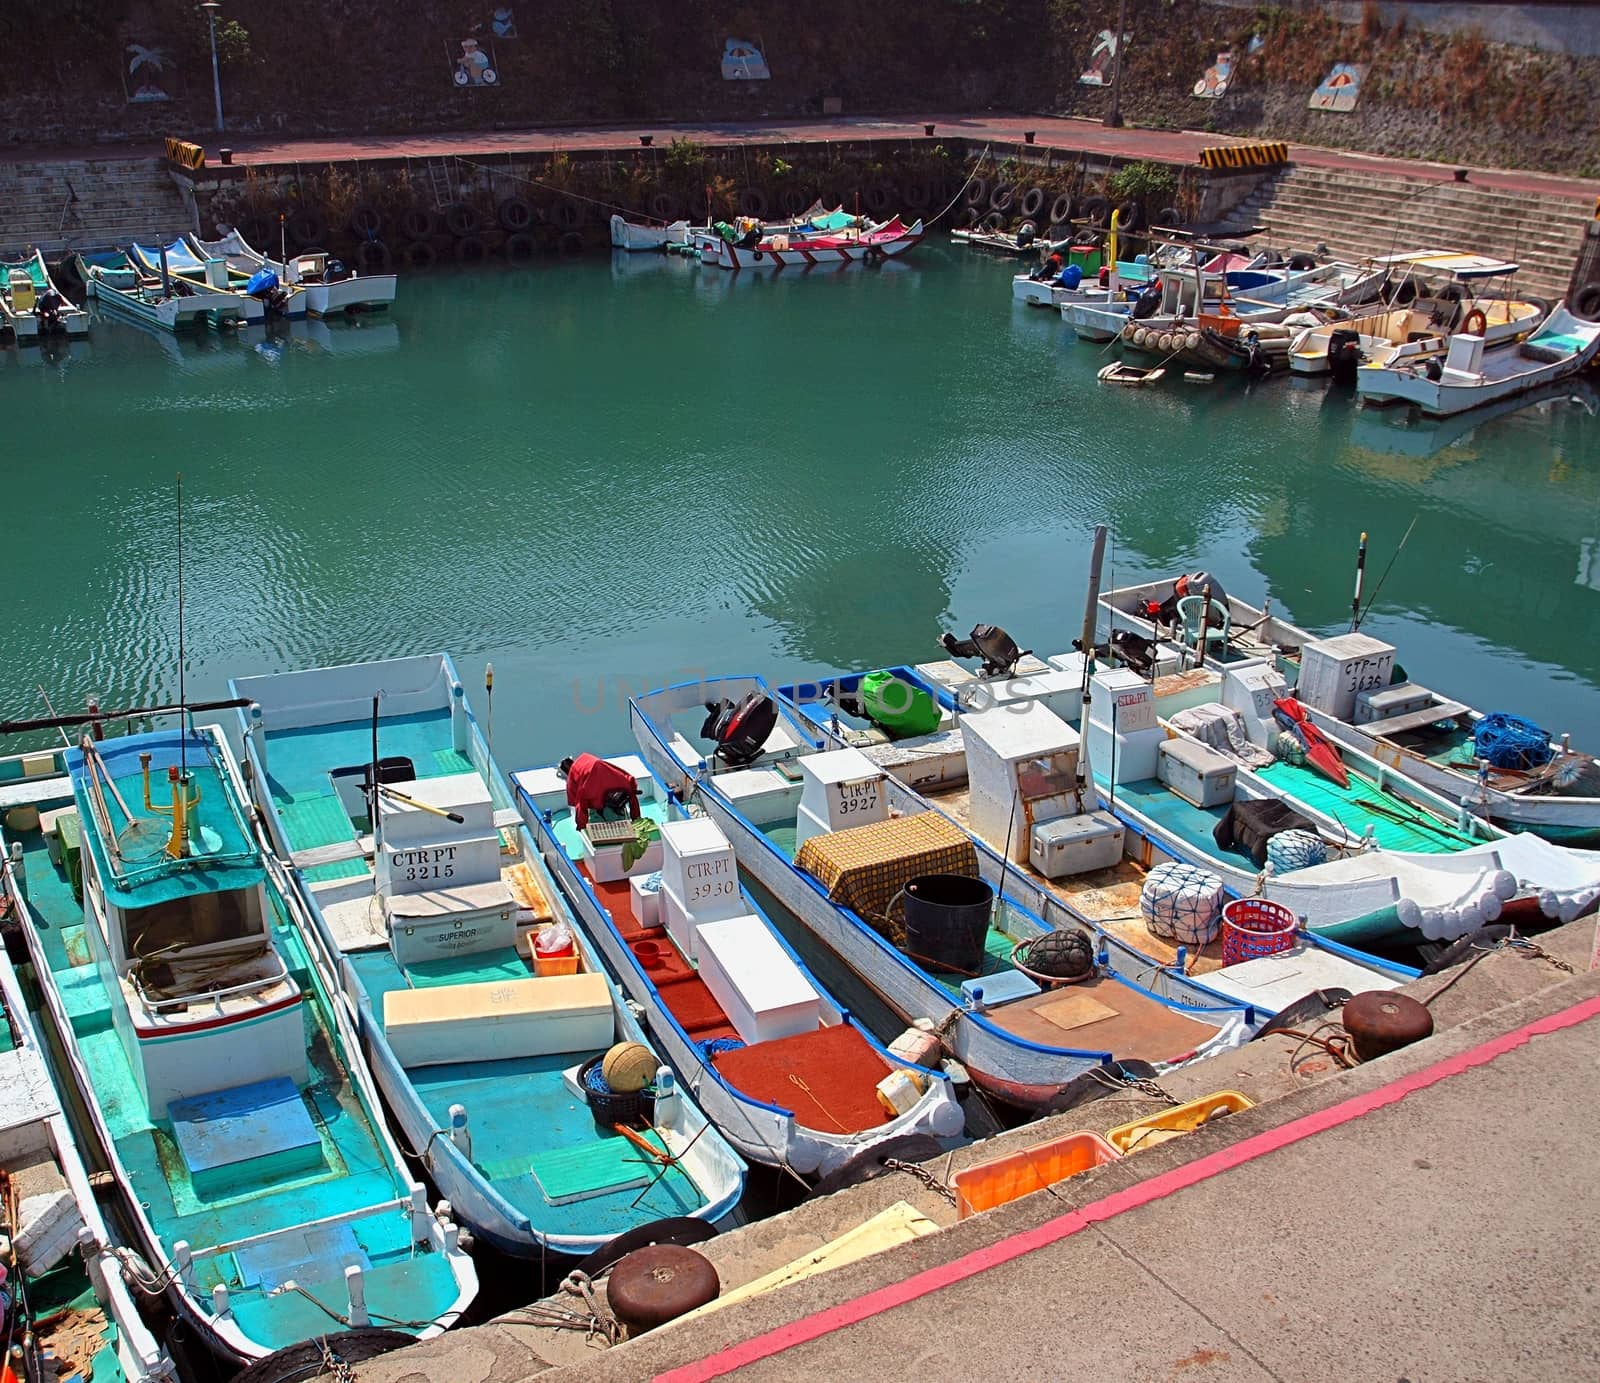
(865, 867)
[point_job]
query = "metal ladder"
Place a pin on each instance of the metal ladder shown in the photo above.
(439, 180)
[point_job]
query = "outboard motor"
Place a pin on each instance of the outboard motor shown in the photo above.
(1194, 583)
(742, 730)
(990, 642)
(336, 271)
(1146, 303)
(1344, 355)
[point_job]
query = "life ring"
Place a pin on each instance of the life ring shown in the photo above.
(470, 249)
(1130, 215)
(569, 214)
(519, 247)
(1169, 216)
(1475, 316)
(1061, 208)
(570, 244)
(366, 222)
(665, 206)
(462, 220)
(419, 254)
(1002, 197)
(307, 226)
(419, 223)
(1586, 303)
(373, 257)
(1096, 211)
(1301, 262)
(753, 202)
(1032, 202)
(514, 214)
(977, 193)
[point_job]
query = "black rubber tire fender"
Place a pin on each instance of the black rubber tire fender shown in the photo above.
(1169, 216)
(514, 214)
(1002, 197)
(1032, 202)
(307, 1360)
(462, 220)
(307, 226)
(683, 1230)
(1300, 261)
(992, 222)
(569, 214)
(666, 206)
(1061, 209)
(879, 198)
(373, 257)
(793, 200)
(1130, 215)
(520, 247)
(257, 231)
(753, 202)
(366, 222)
(1096, 211)
(419, 254)
(571, 243)
(967, 218)
(977, 193)
(419, 223)
(1586, 302)
(918, 194)
(470, 249)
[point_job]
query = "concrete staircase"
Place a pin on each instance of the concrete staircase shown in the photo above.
(1359, 215)
(88, 204)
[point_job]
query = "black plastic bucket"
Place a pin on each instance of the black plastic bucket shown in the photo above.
(947, 921)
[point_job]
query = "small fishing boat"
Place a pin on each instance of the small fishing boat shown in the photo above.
(32, 306)
(1471, 375)
(68, 1307)
(221, 1081)
(789, 1076)
(637, 238)
(1120, 372)
(425, 906)
(870, 244)
(268, 297)
(898, 900)
(1015, 243)
(330, 287)
(1404, 727)
(167, 302)
(706, 242)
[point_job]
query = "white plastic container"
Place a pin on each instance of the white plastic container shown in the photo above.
(1333, 672)
(899, 1091)
(753, 978)
(1124, 735)
(644, 891)
(1076, 844)
(1197, 773)
(1379, 703)
(698, 869)
(842, 788)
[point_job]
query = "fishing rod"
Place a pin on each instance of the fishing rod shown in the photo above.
(183, 725)
(55, 722)
(1361, 572)
(1379, 587)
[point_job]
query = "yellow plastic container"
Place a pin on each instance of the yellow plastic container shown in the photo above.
(1172, 1123)
(1005, 1179)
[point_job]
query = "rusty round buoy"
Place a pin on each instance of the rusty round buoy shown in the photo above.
(655, 1285)
(1379, 1022)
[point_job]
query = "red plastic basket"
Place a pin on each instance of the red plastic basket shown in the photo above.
(1253, 927)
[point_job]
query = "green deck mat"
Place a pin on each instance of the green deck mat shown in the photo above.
(340, 869)
(483, 967)
(449, 761)
(594, 1169)
(312, 821)
(1399, 825)
(996, 960)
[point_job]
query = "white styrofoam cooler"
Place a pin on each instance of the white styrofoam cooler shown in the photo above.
(1196, 772)
(698, 869)
(759, 987)
(1333, 672)
(644, 893)
(843, 788)
(1076, 844)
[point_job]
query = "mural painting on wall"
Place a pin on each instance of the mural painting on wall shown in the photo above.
(145, 76)
(1218, 75)
(1341, 88)
(472, 66)
(742, 61)
(1102, 59)
(503, 22)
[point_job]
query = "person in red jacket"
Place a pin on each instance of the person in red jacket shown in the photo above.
(593, 785)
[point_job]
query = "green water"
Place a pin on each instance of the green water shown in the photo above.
(602, 476)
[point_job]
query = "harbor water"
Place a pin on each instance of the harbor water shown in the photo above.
(602, 475)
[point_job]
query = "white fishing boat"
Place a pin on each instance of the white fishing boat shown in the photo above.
(122, 289)
(32, 306)
(330, 286)
(1347, 683)
(637, 238)
(787, 1074)
(1471, 375)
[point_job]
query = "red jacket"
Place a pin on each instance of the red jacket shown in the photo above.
(589, 780)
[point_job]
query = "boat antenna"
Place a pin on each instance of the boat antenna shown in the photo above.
(1361, 572)
(1376, 589)
(183, 718)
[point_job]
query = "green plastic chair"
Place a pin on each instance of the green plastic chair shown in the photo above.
(1193, 620)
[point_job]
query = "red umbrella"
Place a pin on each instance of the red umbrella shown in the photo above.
(1320, 752)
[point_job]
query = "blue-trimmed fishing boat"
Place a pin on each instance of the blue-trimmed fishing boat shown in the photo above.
(1023, 1047)
(123, 289)
(178, 261)
(804, 1096)
(426, 913)
(221, 1080)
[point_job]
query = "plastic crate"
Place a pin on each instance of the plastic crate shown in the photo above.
(1005, 1179)
(1255, 927)
(1171, 1123)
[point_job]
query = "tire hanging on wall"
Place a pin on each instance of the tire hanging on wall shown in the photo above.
(992, 222)
(419, 254)
(1032, 202)
(918, 194)
(753, 202)
(793, 200)
(666, 206)
(571, 243)
(569, 214)
(1586, 302)
(1096, 210)
(520, 247)
(307, 226)
(462, 220)
(470, 249)
(1130, 215)
(373, 257)
(879, 198)
(1002, 197)
(366, 222)
(1061, 209)
(977, 193)
(1169, 216)
(514, 214)
(419, 223)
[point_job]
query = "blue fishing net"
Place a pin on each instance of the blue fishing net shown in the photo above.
(1509, 741)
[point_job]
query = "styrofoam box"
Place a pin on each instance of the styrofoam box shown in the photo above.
(1333, 672)
(680, 926)
(697, 866)
(605, 861)
(1198, 774)
(486, 1022)
(759, 986)
(644, 891)
(1379, 703)
(1076, 844)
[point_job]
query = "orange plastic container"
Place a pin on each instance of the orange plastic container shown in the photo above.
(1171, 1123)
(564, 964)
(989, 1184)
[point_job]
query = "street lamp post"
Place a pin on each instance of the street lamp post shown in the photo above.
(1113, 117)
(211, 7)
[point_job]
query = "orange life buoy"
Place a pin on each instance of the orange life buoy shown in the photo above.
(1475, 317)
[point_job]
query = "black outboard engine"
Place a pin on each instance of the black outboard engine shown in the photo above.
(1146, 303)
(1344, 355)
(990, 642)
(742, 730)
(335, 271)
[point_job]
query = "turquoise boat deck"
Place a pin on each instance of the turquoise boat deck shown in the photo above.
(523, 1115)
(404, 1285)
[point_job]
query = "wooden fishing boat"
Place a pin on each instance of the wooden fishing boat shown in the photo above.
(1120, 372)
(69, 1306)
(182, 264)
(426, 911)
(1020, 1043)
(1408, 729)
(1471, 375)
(32, 306)
(787, 1074)
(868, 244)
(122, 289)
(329, 286)
(220, 1078)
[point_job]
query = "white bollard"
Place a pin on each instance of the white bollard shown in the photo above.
(355, 1284)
